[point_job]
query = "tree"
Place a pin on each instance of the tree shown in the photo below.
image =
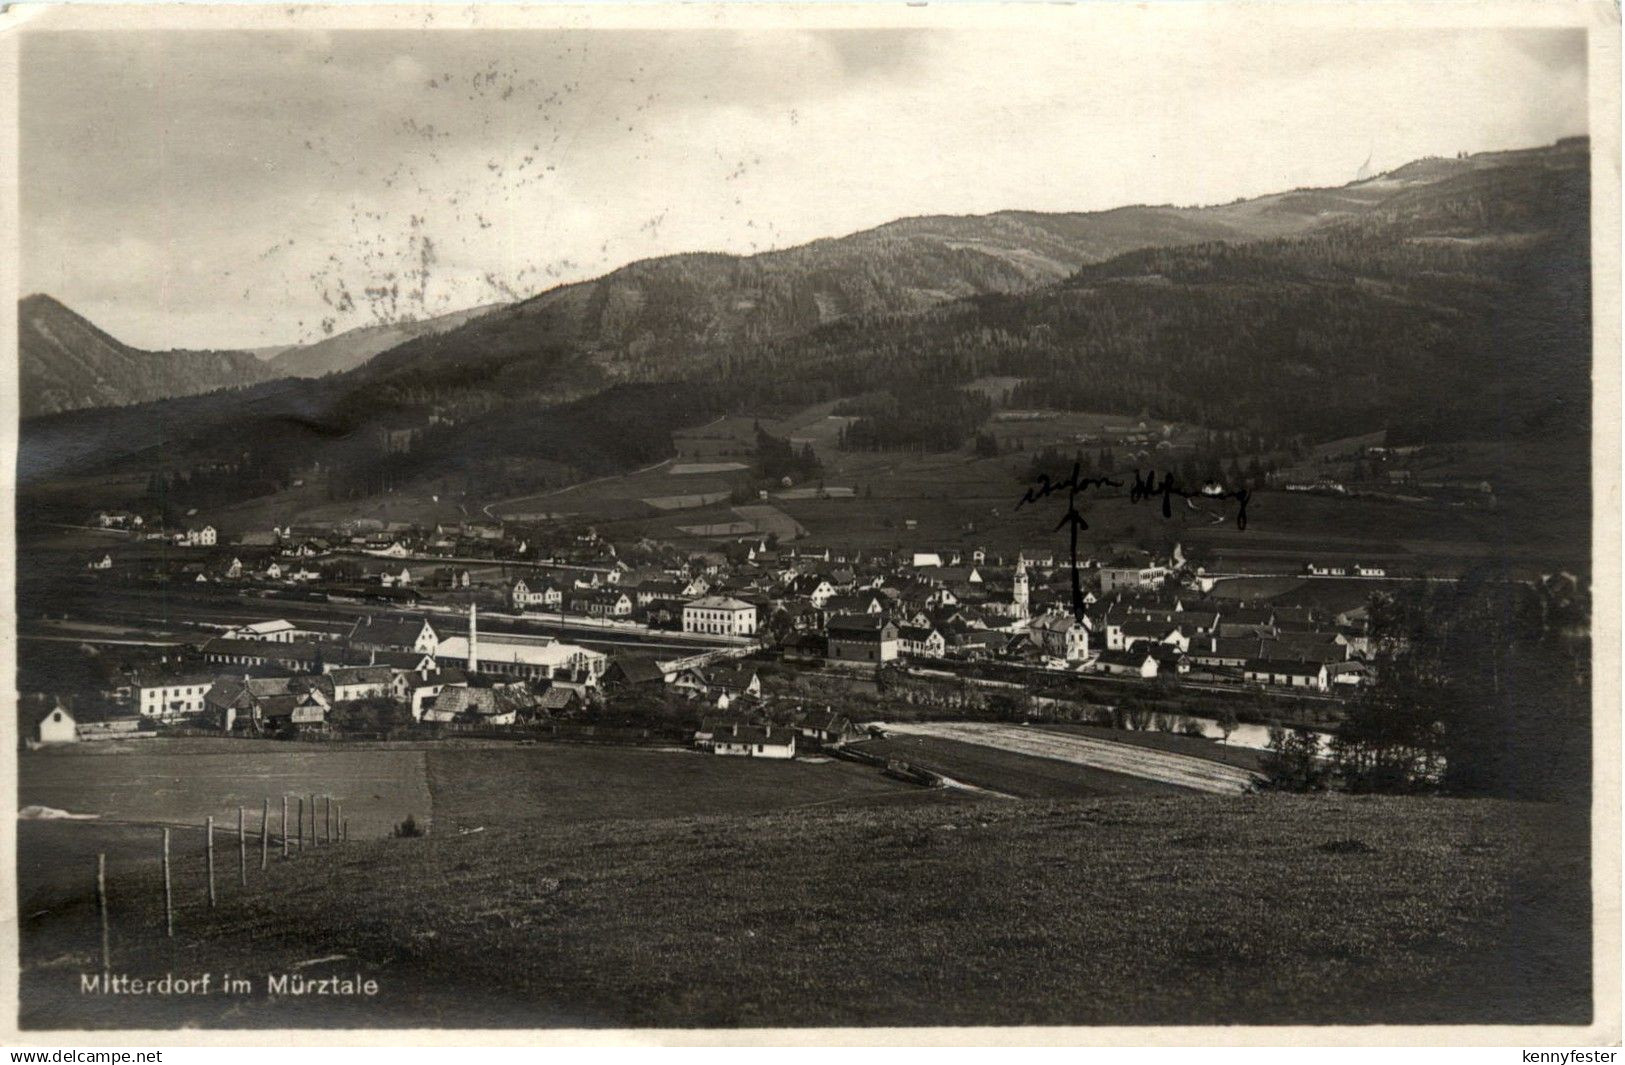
(1293, 761)
(1227, 723)
(1482, 687)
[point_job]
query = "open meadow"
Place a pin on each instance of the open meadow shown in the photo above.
(1123, 911)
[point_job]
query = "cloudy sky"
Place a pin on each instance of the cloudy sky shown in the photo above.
(240, 189)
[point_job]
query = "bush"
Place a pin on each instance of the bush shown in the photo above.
(408, 829)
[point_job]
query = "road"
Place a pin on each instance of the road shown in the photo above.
(486, 510)
(1147, 763)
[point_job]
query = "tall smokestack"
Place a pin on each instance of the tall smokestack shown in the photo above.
(473, 639)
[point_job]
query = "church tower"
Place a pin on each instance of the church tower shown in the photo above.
(1018, 593)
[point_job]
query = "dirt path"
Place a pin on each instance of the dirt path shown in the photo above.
(1169, 768)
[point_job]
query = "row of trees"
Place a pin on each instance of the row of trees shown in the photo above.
(1483, 687)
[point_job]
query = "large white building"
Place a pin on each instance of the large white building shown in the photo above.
(720, 615)
(274, 631)
(204, 537)
(173, 697)
(516, 655)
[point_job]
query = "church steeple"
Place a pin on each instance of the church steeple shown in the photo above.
(1019, 592)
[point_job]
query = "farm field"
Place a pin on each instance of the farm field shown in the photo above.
(1142, 762)
(1241, 757)
(1012, 775)
(1290, 911)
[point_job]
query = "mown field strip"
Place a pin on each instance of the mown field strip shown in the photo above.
(1182, 770)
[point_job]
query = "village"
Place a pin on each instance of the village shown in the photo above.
(378, 631)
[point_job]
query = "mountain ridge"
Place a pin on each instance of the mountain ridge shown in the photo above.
(1429, 299)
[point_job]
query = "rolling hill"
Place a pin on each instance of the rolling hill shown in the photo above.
(1450, 293)
(66, 363)
(349, 349)
(648, 319)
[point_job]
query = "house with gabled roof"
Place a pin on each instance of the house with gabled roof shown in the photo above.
(1132, 663)
(1059, 634)
(921, 641)
(754, 741)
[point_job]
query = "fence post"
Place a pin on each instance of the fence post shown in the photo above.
(327, 820)
(344, 829)
(101, 903)
(242, 848)
(169, 895)
(210, 849)
(284, 824)
(265, 834)
(313, 839)
(299, 843)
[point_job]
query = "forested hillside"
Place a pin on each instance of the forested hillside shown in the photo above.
(1465, 306)
(1454, 297)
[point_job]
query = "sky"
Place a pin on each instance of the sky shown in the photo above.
(234, 189)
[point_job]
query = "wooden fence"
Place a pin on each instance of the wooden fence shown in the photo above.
(323, 826)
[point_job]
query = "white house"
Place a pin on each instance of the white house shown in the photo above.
(1060, 635)
(543, 594)
(172, 698)
(361, 682)
(204, 537)
(418, 689)
(58, 727)
(105, 562)
(921, 641)
(720, 615)
(814, 588)
(1127, 664)
(754, 741)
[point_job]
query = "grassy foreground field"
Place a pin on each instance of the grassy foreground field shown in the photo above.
(568, 785)
(1201, 910)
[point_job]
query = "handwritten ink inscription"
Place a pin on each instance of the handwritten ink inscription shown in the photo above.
(1145, 486)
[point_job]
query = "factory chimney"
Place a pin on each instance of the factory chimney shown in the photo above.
(473, 639)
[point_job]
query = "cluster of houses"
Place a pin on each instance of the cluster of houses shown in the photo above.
(1143, 616)
(866, 609)
(272, 677)
(1137, 618)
